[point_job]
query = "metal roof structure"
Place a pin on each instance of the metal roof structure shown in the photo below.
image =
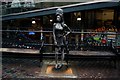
(66, 9)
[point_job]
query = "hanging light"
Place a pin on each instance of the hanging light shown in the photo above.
(78, 19)
(51, 20)
(33, 22)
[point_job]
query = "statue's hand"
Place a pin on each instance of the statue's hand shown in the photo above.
(55, 43)
(67, 33)
(64, 36)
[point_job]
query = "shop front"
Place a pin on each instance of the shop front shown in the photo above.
(95, 26)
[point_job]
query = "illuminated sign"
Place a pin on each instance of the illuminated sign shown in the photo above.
(31, 33)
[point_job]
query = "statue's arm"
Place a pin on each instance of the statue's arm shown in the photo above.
(54, 33)
(69, 30)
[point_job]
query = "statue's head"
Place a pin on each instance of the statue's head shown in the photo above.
(58, 18)
(59, 11)
(59, 15)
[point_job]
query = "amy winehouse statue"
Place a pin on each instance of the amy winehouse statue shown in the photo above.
(60, 31)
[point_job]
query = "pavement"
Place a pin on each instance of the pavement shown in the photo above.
(34, 51)
(24, 68)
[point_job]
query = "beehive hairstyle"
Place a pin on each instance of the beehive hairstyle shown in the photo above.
(59, 11)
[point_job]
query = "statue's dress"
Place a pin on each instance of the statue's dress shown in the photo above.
(59, 32)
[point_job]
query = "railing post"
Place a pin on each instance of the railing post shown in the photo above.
(82, 39)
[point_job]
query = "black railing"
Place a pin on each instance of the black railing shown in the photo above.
(95, 41)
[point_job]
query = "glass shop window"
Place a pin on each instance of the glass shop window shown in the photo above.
(104, 20)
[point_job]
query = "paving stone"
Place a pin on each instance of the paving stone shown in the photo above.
(83, 68)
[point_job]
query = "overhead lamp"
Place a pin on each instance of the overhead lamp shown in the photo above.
(33, 22)
(51, 20)
(78, 19)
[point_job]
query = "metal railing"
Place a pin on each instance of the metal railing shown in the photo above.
(95, 41)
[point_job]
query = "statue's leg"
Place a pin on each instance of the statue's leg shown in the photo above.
(67, 54)
(56, 57)
(66, 50)
(62, 55)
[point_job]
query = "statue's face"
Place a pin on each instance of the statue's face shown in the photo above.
(58, 18)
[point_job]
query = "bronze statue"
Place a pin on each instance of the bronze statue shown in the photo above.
(60, 31)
